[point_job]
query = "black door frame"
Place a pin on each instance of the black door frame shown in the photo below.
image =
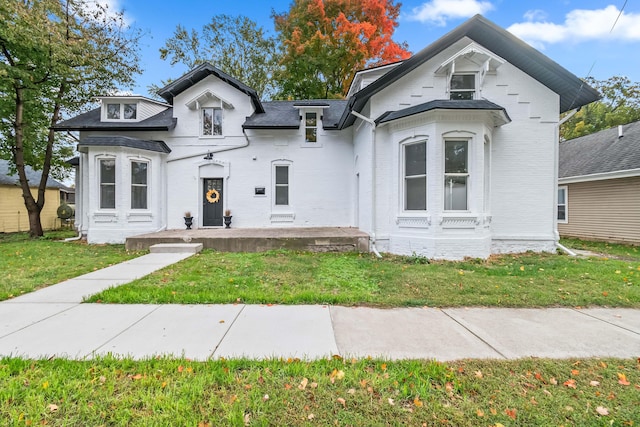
(212, 202)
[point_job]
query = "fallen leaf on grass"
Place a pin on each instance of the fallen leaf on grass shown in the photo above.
(575, 372)
(553, 381)
(341, 401)
(303, 384)
(391, 401)
(511, 413)
(351, 391)
(480, 413)
(602, 410)
(310, 417)
(417, 402)
(478, 374)
(52, 407)
(136, 377)
(570, 383)
(265, 397)
(594, 383)
(622, 379)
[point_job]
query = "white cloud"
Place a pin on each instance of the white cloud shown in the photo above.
(439, 11)
(580, 25)
(535, 15)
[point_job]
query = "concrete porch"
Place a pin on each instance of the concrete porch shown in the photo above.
(314, 239)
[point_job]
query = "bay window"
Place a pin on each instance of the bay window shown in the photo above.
(107, 184)
(415, 176)
(456, 175)
(139, 185)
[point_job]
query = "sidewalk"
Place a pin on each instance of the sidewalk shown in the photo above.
(53, 322)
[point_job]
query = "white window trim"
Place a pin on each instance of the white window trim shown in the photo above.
(466, 73)
(467, 174)
(564, 188)
(289, 165)
(403, 178)
(115, 184)
(147, 185)
(105, 111)
(201, 122)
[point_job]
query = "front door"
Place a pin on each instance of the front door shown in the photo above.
(212, 202)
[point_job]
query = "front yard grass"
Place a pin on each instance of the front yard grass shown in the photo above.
(29, 264)
(523, 280)
(529, 392)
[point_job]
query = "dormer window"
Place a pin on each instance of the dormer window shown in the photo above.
(122, 111)
(211, 121)
(311, 127)
(462, 86)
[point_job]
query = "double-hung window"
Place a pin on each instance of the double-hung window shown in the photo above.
(562, 205)
(139, 185)
(415, 176)
(211, 121)
(311, 127)
(456, 175)
(107, 184)
(282, 185)
(462, 86)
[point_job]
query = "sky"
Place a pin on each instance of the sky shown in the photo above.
(600, 39)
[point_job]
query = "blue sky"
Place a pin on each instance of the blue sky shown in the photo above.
(575, 33)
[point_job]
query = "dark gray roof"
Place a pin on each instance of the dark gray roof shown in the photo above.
(125, 141)
(92, 121)
(201, 72)
(32, 176)
(573, 92)
(601, 152)
(285, 115)
(444, 104)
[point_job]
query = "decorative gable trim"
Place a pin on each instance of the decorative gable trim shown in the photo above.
(207, 95)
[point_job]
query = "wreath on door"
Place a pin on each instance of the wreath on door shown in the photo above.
(213, 196)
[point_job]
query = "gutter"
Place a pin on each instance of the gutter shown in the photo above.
(372, 234)
(208, 152)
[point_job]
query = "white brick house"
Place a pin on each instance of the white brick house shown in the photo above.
(451, 153)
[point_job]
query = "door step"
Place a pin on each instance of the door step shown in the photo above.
(176, 248)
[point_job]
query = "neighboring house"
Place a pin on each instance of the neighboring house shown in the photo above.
(451, 153)
(599, 185)
(13, 212)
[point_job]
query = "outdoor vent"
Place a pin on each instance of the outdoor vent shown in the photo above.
(620, 133)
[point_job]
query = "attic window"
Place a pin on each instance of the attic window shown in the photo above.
(462, 86)
(127, 111)
(211, 121)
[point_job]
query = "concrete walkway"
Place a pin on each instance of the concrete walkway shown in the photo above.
(53, 322)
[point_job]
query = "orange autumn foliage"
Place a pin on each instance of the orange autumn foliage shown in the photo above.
(326, 41)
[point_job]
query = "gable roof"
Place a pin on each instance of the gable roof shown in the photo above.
(602, 152)
(286, 114)
(125, 141)
(573, 92)
(34, 177)
(201, 72)
(92, 121)
(447, 104)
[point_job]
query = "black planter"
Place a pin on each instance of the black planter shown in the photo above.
(188, 221)
(227, 221)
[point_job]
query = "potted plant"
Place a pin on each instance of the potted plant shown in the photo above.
(227, 218)
(188, 220)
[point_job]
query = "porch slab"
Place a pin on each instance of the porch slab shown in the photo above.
(314, 239)
(172, 248)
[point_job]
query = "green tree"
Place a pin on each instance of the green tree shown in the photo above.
(55, 57)
(620, 104)
(235, 45)
(326, 41)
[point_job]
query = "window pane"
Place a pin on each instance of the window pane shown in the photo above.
(139, 173)
(455, 193)
(415, 158)
(562, 213)
(282, 195)
(561, 196)
(113, 111)
(139, 197)
(455, 153)
(463, 81)
(415, 194)
(310, 135)
(107, 171)
(282, 175)
(217, 121)
(107, 196)
(311, 119)
(207, 121)
(130, 111)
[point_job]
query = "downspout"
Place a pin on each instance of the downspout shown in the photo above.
(555, 190)
(373, 181)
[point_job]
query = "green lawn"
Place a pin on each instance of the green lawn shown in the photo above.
(29, 264)
(328, 392)
(523, 280)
